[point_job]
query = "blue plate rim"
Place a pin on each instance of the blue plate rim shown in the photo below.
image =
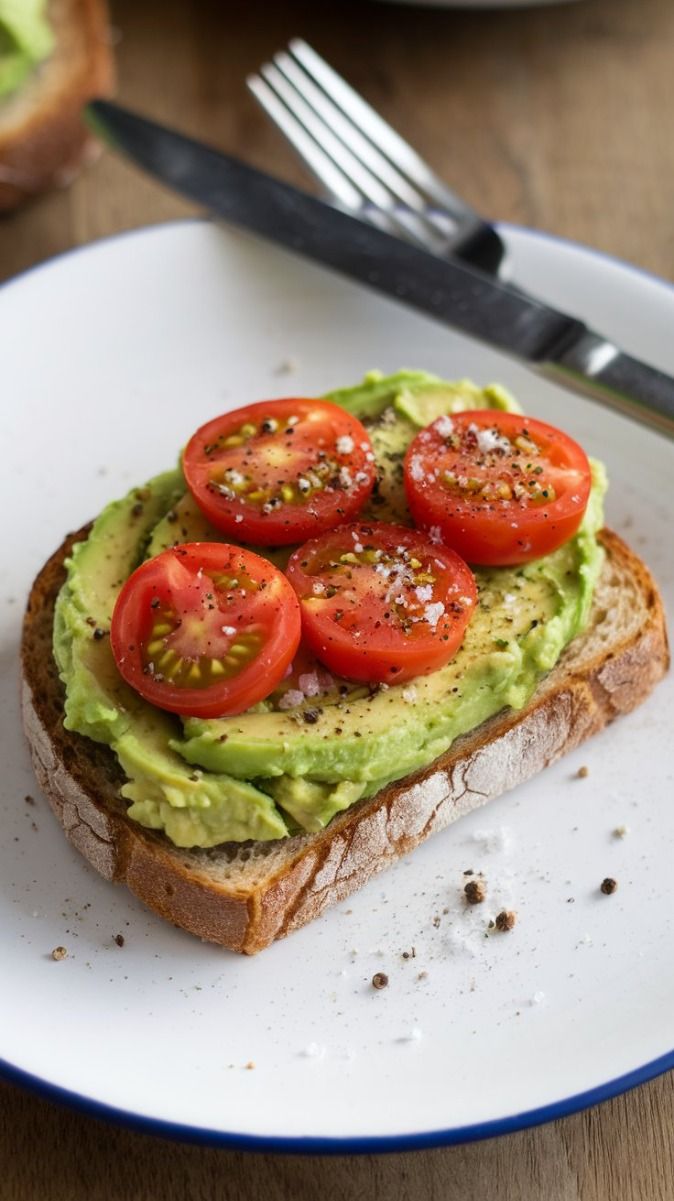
(350, 1145)
(312, 1145)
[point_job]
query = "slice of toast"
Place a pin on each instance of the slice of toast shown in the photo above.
(244, 896)
(43, 140)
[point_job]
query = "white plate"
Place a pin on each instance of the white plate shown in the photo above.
(111, 356)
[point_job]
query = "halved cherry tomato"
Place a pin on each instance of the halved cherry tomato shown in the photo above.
(279, 471)
(499, 488)
(205, 629)
(381, 602)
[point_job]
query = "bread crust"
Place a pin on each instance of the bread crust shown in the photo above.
(587, 689)
(43, 143)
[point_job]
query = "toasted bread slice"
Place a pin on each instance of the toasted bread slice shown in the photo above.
(244, 896)
(43, 140)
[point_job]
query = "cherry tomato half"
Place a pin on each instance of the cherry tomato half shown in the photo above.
(499, 488)
(279, 471)
(381, 603)
(205, 629)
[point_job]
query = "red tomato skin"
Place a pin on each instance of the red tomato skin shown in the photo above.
(383, 655)
(503, 533)
(290, 523)
(279, 615)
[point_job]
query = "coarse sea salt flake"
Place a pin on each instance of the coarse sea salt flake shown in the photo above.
(444, 426)
(309, 683)
(291, 699)
(415, 1035)
(433, 613)
(497, 839)
(416, 468)
(488, 440)
(314, 1051)
(344, 444)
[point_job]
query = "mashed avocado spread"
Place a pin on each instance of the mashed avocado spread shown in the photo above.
(25, 40)
(285, 766)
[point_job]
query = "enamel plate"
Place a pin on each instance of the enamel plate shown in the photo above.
(111, 358)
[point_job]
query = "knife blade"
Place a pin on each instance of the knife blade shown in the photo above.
(557, 345)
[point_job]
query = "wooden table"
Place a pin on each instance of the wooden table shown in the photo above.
(558, 118)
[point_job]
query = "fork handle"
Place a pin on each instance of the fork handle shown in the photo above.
(482, 247)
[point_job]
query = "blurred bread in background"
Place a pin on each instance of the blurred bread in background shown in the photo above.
(54, 56)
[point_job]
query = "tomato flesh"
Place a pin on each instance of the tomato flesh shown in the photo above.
(499, 488)
(205, 629)
(381, 603)
(277, 472)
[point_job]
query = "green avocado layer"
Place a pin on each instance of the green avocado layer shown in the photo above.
(272, 770)
(25, 40)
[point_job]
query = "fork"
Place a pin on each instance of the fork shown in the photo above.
(366, 167)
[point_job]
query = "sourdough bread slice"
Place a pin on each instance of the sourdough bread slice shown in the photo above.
(43, 140)
(244, 896)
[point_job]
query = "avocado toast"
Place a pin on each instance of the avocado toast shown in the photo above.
(55, 55)
(279, 814)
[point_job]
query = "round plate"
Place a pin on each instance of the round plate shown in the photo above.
(111, 357)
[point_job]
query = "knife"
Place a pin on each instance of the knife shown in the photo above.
(556, 345)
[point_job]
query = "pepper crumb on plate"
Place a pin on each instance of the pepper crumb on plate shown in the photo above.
(505, 920)
(59, 953)
(608, 885)
(119, 939)
(380, 980)
(475, 891)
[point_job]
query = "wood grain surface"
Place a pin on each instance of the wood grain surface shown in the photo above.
(558, 118)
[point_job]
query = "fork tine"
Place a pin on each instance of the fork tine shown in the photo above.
(378, 131)
(352, 137)
(339, 187)
(325, 170)
(340, 154)
(400, 220)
